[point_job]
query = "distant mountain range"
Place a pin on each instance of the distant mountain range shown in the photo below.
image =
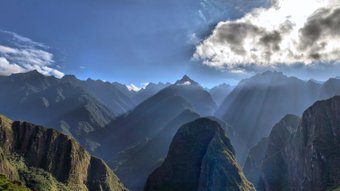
(143, 129)
(107, 118)
(70, 105)
(257, 103)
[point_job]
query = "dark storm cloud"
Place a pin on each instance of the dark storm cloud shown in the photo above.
(234, 34)
(326, 22)
(271, 40)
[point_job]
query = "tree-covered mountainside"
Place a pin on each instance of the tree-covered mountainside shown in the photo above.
(8, 185)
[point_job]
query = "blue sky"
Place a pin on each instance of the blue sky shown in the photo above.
(131, 41)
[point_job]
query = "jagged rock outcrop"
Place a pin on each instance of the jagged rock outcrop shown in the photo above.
(308, 159)
(200, 158)
(314, 152)
(47, 160)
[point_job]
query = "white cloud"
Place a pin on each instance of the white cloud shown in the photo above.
(287, 33)
(6, 67)
(22, 54)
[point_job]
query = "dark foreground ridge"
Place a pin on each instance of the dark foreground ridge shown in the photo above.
(200, 158)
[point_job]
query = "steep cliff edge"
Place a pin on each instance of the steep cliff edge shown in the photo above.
(274, 175)
(314, 151)
(200, 158)
(309, 158)
(45, 159)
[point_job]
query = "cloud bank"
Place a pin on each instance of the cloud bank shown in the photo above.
(290, 32)
(20, 54)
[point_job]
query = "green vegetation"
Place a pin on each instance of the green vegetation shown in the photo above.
(36, 178)
(8, 185)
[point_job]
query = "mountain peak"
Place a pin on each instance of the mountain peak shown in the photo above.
(32, 73)
(267, 77)
(70, 77)
(186, 80)
(200, 155)
(271, 72)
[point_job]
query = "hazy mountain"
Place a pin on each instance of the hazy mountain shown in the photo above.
(269, 160)
(195, 94)
(70, 105)
(149, 90)
(220, 92)
(44, 159)
(330, 88)
(257, 103)
(148, 118)
(52, 102)
(136, 164)
(134, 133)
(200, 158)
(113, 96)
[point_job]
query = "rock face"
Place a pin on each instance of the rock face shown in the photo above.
(200, 158)
(314, 151)
(307, 158)
(253, 166)
(274, 165)
(47, 160)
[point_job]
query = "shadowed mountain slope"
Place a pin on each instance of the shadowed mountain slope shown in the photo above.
(257, 103)
(200, 158)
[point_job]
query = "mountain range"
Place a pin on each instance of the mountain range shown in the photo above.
(132, 131)
(257, 103)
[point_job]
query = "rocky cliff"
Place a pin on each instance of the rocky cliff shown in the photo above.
(45, 159)
(314, 152)
(200, 158)
(308, 158)
(274, 172)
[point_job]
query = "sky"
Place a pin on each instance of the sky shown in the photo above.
(140, 41)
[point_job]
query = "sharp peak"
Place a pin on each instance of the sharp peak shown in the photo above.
(186, 80)
(69, 77)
